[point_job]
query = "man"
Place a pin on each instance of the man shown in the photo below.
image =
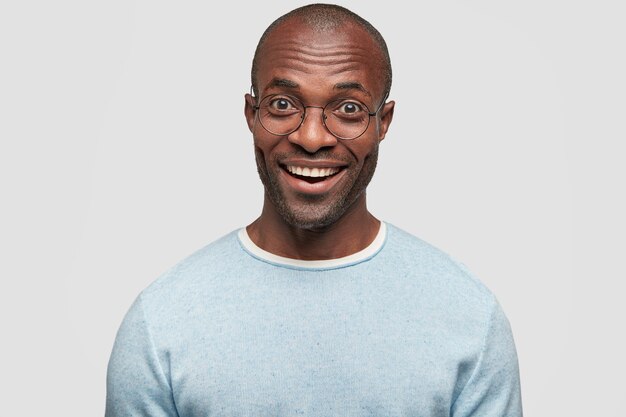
(317, 308)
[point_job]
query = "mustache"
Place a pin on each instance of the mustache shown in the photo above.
(324, 154)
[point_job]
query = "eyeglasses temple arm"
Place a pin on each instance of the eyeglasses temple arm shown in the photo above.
(380, 106)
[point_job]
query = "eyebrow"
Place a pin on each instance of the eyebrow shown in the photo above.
(352, 85)
(346, 85)
(282, 82)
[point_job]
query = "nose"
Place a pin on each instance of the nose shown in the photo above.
(312, 135)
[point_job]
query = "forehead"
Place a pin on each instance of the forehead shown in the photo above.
(319, 60)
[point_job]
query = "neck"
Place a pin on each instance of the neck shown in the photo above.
(352, 232)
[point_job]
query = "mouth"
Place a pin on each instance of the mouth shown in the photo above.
(312, 178)
(311, 175)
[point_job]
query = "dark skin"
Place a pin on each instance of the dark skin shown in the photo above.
(327, 218)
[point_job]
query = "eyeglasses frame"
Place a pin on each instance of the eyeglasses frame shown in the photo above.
(370, 114)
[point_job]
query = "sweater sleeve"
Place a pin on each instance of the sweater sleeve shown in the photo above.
(493, 389)
(136, 382)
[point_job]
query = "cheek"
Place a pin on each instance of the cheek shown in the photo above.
(262, 147)
(362, 151)
(261, 167)
(265, 150)
(265, 141)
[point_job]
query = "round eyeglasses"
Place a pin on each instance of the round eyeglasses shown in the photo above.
(345, 118)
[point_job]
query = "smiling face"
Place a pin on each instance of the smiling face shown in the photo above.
(311, 177)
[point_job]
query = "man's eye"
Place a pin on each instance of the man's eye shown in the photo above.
(281, 104)
(349, 107)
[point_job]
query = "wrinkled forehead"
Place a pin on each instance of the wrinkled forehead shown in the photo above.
(345, 52)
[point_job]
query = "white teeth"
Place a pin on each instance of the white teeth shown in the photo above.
(312, 172)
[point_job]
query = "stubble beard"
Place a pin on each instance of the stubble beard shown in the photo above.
(313, 212)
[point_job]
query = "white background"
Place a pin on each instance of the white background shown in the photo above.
(124, 149)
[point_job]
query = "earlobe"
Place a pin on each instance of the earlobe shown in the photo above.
(249, 111)
(386, 116)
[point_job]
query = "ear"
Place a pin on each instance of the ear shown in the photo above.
(250, 111)
(386, 116)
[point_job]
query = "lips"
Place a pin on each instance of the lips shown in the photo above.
(312, 177)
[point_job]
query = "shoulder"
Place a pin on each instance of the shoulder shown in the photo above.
(436, 272)
(195, 273)
(457, 304)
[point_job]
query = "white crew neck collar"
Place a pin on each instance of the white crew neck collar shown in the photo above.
(358, 257)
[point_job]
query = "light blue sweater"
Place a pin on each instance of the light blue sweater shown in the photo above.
(399, 329)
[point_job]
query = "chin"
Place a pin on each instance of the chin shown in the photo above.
(310, 217)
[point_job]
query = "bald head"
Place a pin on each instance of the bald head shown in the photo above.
(325, 18)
